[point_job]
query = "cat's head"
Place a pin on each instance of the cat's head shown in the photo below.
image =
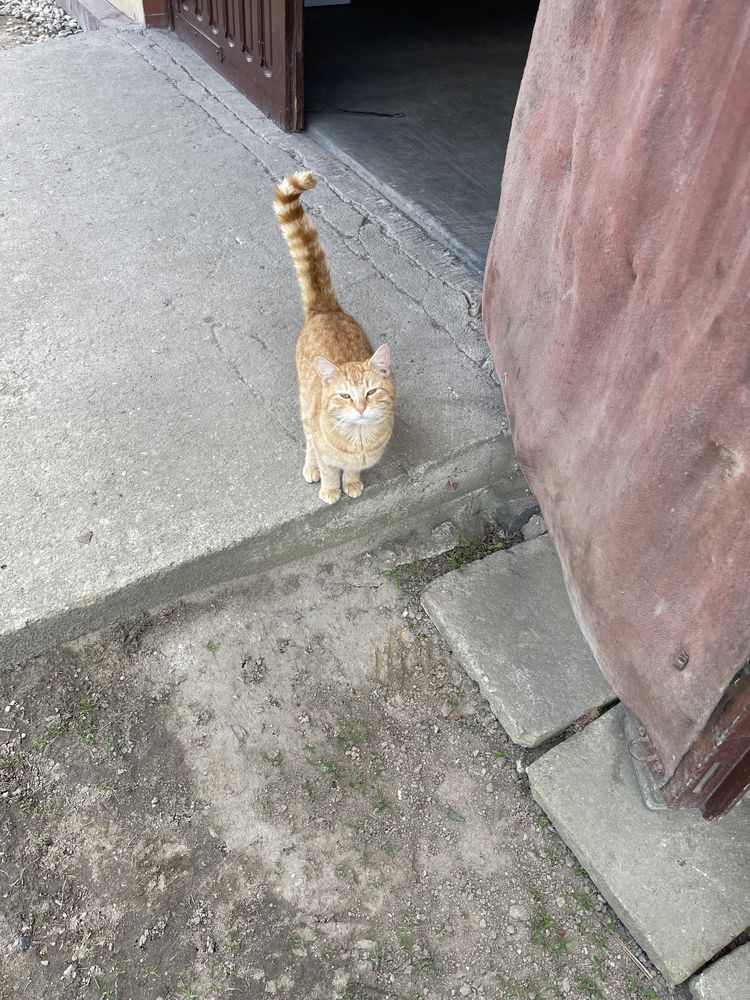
(358, 393)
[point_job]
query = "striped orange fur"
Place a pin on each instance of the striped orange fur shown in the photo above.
(302, 238)
(347, 398)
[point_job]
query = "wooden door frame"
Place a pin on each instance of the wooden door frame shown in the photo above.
(159, 14)
(294, 115)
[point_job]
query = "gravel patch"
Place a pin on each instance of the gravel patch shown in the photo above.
(43, 17)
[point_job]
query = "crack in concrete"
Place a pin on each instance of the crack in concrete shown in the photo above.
(473, 301)
(420, 302)
(233, 366)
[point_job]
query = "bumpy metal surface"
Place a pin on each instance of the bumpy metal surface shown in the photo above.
(616, 307)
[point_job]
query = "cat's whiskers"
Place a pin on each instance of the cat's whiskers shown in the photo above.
(348, 427)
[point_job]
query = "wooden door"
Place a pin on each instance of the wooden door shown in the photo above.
(257, 44)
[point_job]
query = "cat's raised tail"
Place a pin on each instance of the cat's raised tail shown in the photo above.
(301, 236)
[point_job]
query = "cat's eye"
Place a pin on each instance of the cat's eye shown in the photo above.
(345, 395)
(371, 392)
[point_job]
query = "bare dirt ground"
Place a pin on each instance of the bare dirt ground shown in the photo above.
(285, 789)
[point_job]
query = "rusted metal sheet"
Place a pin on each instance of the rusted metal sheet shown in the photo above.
(257, 44)
(616, 306)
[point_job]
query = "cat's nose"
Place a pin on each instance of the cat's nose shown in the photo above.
(360, 410)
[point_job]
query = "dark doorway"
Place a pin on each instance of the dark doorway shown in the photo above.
(418, 98)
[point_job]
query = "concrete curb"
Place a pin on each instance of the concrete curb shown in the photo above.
(425, 495)
(93, 15)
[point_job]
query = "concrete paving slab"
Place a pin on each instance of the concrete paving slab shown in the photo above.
(727, 979)
(680, 884)
(508, 620)
(148, 414)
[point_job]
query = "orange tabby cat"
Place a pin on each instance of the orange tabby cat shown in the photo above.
(345, 390)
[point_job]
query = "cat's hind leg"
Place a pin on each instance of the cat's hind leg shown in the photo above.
(352, 482)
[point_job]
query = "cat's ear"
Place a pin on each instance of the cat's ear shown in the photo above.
(381, 360)
(326, 369)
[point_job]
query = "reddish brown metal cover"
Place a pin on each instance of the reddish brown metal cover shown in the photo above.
(616, 305)
(257, 44)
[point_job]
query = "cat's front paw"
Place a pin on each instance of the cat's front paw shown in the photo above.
(311, 474)
(354, 487)
(329, 495)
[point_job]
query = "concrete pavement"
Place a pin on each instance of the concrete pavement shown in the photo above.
(149, 436)
(679, 884)
(727, 979)
(530, 660)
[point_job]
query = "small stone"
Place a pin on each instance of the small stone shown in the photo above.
(365, 944)
(534, 528)
(445, 536)
(465, 990)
